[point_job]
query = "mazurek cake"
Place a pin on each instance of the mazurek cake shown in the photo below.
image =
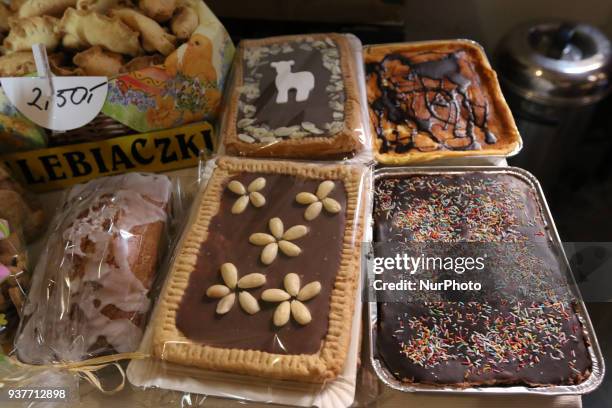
(90, 292)
(525, 331)
(264, 281)
(435, 100)
(294, 97)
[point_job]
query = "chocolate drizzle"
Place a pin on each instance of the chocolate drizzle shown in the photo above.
(428, 97)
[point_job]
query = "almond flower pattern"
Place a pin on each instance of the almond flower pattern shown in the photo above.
(291, 300)
(316, 202)
(278, 239)
(250, 193)
(227, 293)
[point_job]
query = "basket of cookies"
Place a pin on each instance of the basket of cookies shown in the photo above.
(166, 62)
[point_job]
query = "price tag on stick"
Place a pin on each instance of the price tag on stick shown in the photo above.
(42, 66)
(56, 103)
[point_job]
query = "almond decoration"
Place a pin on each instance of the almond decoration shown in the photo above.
(278, 239)
(217, 291)
(247, 194)
(275, 295)
(232, 286)
(292, 284)
(300, 313)
(229, 273)
(320, 200)
(291, 300)
(252, 280)
(248, 303)
(226, 304)
(282, 314)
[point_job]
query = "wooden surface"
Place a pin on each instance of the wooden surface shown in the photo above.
(389, 399)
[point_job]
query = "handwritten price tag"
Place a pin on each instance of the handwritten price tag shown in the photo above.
(57, 103)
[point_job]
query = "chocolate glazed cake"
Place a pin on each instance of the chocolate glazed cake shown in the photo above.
(526, 333)
(436, 100)
(243, 330)
(264, 282)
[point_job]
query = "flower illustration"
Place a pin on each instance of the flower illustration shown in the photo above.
(291, 300)
(227, 293)
(279, 239)
(316, 202)
(164, 114)
(250, 193)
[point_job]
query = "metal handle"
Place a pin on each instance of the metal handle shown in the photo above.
(561, 39)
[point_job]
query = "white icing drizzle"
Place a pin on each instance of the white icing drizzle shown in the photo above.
(97, 229)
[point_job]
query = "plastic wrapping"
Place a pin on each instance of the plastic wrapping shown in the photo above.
(14, 282)
(20, 208)
(90, 292)
(261, 301)
(21, 219)
(437, 102)
(527, 332)
(299, 96)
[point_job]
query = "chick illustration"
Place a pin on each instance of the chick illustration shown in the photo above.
(195, 61)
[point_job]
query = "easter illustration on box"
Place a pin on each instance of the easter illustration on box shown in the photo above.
(186, 88)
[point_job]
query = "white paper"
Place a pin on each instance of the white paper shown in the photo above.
(72, 102)
(339, 393)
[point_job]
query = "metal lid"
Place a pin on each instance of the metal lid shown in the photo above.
(556, 63)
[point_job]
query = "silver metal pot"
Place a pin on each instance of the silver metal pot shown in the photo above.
(553, 74)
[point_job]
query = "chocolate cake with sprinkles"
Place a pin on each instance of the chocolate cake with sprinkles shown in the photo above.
(525, 333)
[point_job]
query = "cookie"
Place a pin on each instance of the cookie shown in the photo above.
(294, 97)
(264, 280)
